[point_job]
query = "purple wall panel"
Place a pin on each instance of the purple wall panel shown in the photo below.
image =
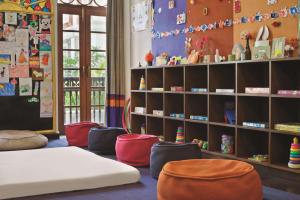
(166, 21)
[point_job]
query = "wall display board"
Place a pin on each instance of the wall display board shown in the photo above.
(27, 83)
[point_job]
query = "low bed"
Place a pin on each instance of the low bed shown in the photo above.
(45, 171)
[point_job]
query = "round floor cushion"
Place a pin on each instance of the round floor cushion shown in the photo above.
(209, 179)
(163, 152)
(21, 140)
(135, 149)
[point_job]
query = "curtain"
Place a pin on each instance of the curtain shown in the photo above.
(115, 62)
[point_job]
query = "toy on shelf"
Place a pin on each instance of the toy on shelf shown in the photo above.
(143, 129)
(294, 162)
(142, 84)
(259, 158)
(180, 135)
(201, 143)
(229, 112)
(175, 60)
(193, 57)
(149, 58)
(227, 146)
(162, 59)
(290, 46)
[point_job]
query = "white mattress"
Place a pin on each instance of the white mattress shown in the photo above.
(44, 171)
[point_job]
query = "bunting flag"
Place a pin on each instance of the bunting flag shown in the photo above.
(258, 17)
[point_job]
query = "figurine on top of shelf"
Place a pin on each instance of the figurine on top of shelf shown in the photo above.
(203, 47)
(162, 59)
(175, 60)
(219, 58)
(193, 57)
(290, 46)
(294, 162)
(237, 51)
(245, 35)
(149, 58)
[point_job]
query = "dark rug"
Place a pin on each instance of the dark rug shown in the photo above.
(144, 190)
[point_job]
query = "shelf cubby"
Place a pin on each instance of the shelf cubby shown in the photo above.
(196, 105)
(174, 76)
(196, 77)
(138, 100)
(285, 75)
(137, 122)
(252, 109)
(217, 107)
(215, 137)
(280, 156)
(252, 74)
(155, 126)
(285, 110)
(155, 78)
(155, 101)
(250, 142)
(195, 131)
(136, 76)
(170, 129)
(221, 76)
(174, 104)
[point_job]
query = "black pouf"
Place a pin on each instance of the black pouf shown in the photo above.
(103, 140)
(163, 152)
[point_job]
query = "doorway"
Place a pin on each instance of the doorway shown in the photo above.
(82, 66)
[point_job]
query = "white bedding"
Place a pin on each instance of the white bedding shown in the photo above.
(44, 171)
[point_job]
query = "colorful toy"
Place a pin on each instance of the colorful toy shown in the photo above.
(142, 84)
(180, 135)
(201, 143)
(295, 155)
(227, 146)
(149, 58)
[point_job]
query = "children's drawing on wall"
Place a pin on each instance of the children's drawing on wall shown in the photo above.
(140, 15)
(7, 89)
(22, 56)
(22, 38)
(45, 24)
(46, 105)
(19, 72)
(45, 59)
(5, 59)
(22, 21)
(9, 33)
(1, 19)
(45, 42)
(25, 86)
(37, 74)
(11, 18)
(4, 74)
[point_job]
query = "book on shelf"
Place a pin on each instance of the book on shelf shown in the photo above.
(256, 124)
(177, 89)
(224, 90)
(158, 113)
(199, 118)
(289, 127)
(289, 92)
(177, 115)
(140, 110)
(257, 90)
(157, 89)
(199, 90)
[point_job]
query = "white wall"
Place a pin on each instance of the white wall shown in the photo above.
(137, 44)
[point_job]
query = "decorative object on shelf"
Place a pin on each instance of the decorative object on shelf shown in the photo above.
(289, 92)
(256, 124)
(217, 56)
(227, 146)
(177, 89)
(290, 46)
(175, 60)
(199, 118)
(171, 4)
(180, 135)
(140, 65)
(289, 127)
(259, 158)
(188, 44)
(278, 45)
(294, 162)
(262, 50)
(245, 35)
(181, 18)
(162, 59)
(142, 84)
(203, 47)
(261, 53)
(193, 57)
(257, 90)
(231, 57)
(159, 113)
(271, 2)
(237, 6)
(229, 113)
(207, 59)
(143, 129)
(237, 50)
(198, 89)
(177, 115)
(149, 58)
(201, 143)
(140, 110)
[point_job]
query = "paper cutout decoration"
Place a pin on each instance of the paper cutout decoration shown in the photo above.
(4, 74)
(25, 86)
(45, 24)
(181, 18)
(171, 4)
(237, 6)
(11, 18)
(272, 2)
(37, 74)
(7, 89)
(19, 72)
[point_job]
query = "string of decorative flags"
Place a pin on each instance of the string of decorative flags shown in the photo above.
(258, 17)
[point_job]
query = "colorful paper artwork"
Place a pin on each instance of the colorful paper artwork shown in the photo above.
(22, 21)
(45, 24)
(46, 105)
(140, 15)
(45, 42)
(34, 62)
(237, 7)
(22, 37)
(1, 19)
(41, 6)
(11, 18)
(5, 59)
(4, 74)
(19, 72)
(278, 45)
(171, 4)
(9, 33)
(181, 18)
(7, 89)
(25, 86)
(37, 74)
(45, 59)
(22, 56)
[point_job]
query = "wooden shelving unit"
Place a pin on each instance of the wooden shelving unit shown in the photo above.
(281, 74)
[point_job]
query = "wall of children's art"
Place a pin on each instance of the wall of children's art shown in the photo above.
(27, 79)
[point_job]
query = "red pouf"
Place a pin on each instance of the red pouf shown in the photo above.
(77, 134)
(135, 149)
